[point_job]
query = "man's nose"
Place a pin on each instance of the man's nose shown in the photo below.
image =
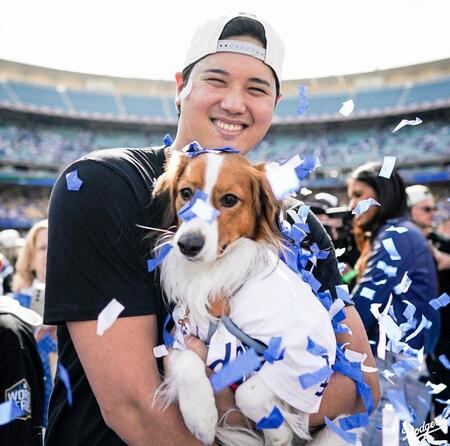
(191, 244)
(234, 101)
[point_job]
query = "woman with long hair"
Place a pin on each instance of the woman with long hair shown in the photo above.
(396, 278)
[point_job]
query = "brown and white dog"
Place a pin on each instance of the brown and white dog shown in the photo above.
(210, 267)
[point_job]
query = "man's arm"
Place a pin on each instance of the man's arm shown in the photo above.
(340, 396)
(123, 374)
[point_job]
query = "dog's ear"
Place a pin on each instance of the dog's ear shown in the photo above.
(267, 208)
(165, 190)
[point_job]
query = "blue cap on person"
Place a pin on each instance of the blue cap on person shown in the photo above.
(206, 40)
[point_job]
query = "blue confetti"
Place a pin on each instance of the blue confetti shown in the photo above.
(310, 379)
(325, 299)
(354, 421)
(167, 141)
(441, 301)
(349, 437)
(198, 206)
(318, 253)
(303, 100)
(273, 352)
(364, 205)
(9, 411)
(444, 361)
(296, 233)
(404, 366)
(167, 337)
(398, 400)
(73, 182)
(309, 164)
(410, 310)
(315, 349)
(194, 149)
(342, 293)
(232, 372)
(153, 263)
(273, 421)
(365, 392)
(311, 280)
(64, 376)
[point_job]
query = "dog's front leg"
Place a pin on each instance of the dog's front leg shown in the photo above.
(256, 401)
(195, 394)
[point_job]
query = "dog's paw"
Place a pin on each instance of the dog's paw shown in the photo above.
(199, 411)
(200, 415)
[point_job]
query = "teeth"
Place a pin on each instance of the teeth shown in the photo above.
(230, 127)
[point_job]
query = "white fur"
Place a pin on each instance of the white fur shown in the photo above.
(213, 165)
(195, 283)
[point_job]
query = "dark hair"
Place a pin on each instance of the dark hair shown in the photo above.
(390, 194)
(239, 26)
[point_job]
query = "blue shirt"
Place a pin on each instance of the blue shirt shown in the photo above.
(416, 260)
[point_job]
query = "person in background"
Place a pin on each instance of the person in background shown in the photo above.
(21, 374)
(28, 285)
(391, 247)
(423, 213)
(10, 244)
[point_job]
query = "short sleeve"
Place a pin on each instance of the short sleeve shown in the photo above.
(96, 250)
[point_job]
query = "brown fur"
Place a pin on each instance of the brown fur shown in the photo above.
(254, 217)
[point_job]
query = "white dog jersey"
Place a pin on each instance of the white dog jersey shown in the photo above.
(275, 303)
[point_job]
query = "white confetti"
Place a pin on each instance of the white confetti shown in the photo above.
(364, 205)
(347, 108)
(108, 316)
(388, 375)
(390, 271)
(436, 388)
(398, 229)
(404, 285)
(391, 426)
(367, 293)
(390, 248)
(340, 251)
(160, 350)
(404, 122)
(387, 167)
(282, 179)
(305, 191)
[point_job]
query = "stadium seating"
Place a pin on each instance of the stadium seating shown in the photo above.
(377, 99)
(143, 106)
(3, 94)
(422, 93)
(38, 95)
(93, 102)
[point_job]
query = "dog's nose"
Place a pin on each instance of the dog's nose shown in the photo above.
(191, 244)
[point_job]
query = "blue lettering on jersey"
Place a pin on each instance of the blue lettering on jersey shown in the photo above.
(20, 393)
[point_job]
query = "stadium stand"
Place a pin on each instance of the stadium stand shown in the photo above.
(143, 106)
(38, 95)
(427, 92)
(93, 102)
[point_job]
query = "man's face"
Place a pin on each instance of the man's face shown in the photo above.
(231, 103)
(423, 213)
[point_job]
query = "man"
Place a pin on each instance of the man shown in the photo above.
(21, 374)
(226, 95)
(423, 211)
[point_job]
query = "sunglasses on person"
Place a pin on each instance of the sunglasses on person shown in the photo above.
(429, 209)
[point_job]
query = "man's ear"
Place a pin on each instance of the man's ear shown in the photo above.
(277, 100)
(179, 82)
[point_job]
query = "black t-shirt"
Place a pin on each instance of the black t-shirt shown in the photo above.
(21, 380)
(96, 252)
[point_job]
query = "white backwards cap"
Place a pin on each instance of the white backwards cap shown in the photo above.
(417, 193)
(206, 41)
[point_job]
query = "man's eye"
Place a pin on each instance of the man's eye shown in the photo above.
(185, 193)
(216, 80)
(258, 90)
(229, 200)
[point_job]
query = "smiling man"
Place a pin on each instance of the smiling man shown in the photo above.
(226, 95)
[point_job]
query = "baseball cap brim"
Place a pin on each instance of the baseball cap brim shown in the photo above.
(11, 306)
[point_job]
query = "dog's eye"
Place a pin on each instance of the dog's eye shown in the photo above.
(185, 193)
(229, 200)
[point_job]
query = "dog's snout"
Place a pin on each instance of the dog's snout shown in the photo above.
(191, 244)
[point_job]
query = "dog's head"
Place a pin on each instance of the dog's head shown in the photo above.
(236, 188)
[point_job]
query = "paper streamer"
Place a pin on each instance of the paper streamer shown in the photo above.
(153, 263)
(232, 372)
(349, 437)
(404, 122)
(303, 103)
(273, 421)
(64, 376)
(354, 421)
(390, 248)
(441, 301)
(108, 316)
(308, 380)
(398, 229)
(73, 182)
(397, 398)
(387, 167)
(391, 426)
(347, 108)
(315, 349)
(364, 205)
(436, 388)
(274, 351)
(367, 293)
(9, 411)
